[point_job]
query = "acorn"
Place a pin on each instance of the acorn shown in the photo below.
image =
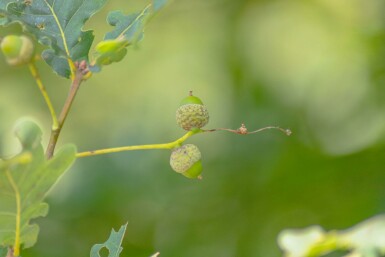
(187, 161)
(18, 50)
(192, 113)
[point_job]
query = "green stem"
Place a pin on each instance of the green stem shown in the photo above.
(63, 115)
(35, 73)
(170, 145)
(16, 246)
(242, 131)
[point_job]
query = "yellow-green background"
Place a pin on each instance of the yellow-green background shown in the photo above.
(316, 66)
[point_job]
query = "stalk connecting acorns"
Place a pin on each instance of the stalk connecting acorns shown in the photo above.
(18, 50)
(187, 161)
(192, 113)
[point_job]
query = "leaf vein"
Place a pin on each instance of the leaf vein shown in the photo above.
(136, 19)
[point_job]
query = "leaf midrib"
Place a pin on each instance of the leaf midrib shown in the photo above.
(136, 19)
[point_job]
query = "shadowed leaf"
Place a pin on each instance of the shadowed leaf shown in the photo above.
(24, 182)
(57, 24)
(3, 12)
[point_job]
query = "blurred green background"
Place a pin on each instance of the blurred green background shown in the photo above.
(316, 67)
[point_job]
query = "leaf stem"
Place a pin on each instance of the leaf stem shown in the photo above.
(35, 73)
(16, 247)
(169, 145)
(64, 112)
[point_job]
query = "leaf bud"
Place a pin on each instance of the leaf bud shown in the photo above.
(18, 50)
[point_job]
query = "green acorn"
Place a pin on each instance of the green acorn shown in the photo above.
(187, 161)
(18, 50)
(192, 113)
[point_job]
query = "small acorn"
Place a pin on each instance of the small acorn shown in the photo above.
(192, 113)
(18, 50)
(187, 161)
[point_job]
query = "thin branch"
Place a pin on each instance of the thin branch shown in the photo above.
(63, 115)
(170, 145)
(35, 73)
(10, 252)
(241, 131)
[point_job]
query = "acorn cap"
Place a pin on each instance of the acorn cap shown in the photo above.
(191, 100)
(187, 161)
(192, 113)
(190, 116)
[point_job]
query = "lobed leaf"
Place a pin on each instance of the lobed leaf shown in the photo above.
(25, 180)
(129, 29)
(57, 24)
(113, 243)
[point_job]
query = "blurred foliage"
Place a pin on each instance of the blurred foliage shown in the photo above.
(316, 67)
(25, 181)
(366, 239)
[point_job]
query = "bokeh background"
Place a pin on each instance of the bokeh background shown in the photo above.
(316, 67)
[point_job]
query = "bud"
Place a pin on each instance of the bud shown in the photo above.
(18, 50)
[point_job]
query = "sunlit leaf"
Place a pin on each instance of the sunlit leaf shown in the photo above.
(113, 244)
(366, 239)
(298, 242)
(128, 30)
(25, 180)
(369, 234)
(57, 24)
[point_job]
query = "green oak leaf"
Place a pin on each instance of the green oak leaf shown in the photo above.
(128, 30)
(113, 244)
(57, 24)
(3, 12)
(25, 180)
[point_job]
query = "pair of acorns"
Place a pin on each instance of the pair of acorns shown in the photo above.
(191, 115)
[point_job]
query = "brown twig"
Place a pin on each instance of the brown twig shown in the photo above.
(243, 130)
(10, 252)
(55, 133)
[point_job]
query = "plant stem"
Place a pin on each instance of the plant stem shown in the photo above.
(242, 131)
(63, 115)
(10, 252)
(16, 246)
(170, 145)
(35, 73)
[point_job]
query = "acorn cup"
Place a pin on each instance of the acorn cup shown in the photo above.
(187, 161)
(18, 50)
(192, 113)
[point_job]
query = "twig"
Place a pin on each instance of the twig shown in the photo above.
(170, 145)
(63, 115)
(241, 131)
(35, 73)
